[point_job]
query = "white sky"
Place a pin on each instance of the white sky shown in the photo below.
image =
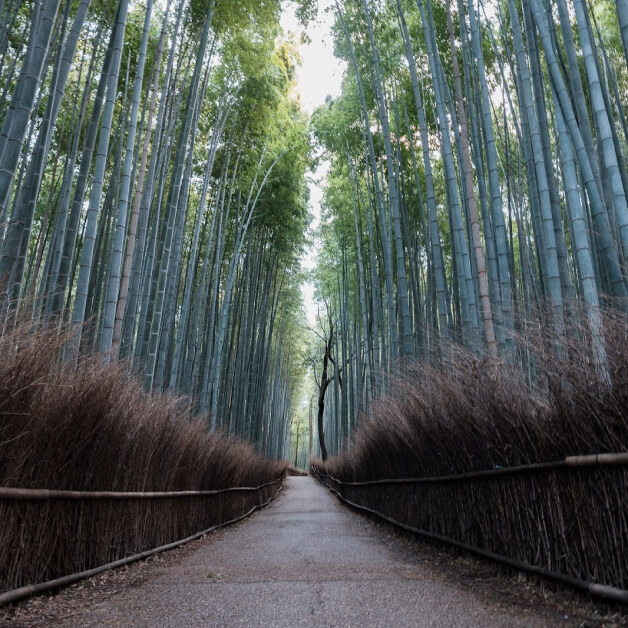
(319, 76)
(321, 73)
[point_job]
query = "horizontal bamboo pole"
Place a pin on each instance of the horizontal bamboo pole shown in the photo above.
(22, 593)
(600, 590)
(45, 494)
(596, 460)
(571, 462)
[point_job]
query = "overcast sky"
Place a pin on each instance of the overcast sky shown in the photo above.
(321, 72)
(319, 76)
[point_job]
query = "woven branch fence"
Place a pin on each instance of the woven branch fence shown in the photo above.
(567, 519)
(47, 534)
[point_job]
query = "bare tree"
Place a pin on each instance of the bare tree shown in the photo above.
(328, 336)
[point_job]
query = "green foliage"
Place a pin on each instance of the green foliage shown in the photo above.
(237, 185)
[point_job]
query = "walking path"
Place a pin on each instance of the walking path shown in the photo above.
(303, 561)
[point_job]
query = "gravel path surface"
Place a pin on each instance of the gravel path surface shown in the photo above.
(303, 561)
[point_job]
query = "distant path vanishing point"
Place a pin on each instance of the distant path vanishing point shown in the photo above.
(303, 561)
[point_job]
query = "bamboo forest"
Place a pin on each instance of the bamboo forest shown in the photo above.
(153, 189)
(468, 243)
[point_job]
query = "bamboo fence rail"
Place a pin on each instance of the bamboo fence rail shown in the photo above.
(43, 494)
(591, 460)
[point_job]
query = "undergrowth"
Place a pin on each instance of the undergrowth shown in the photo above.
(464, 414)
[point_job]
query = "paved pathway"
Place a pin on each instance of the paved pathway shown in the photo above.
(303, 561)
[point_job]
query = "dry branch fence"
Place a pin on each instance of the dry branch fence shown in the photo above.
(566, 519)
(48, 534)
(131, 472)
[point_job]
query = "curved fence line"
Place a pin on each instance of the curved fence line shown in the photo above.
(374, 498)
(600, 590)
(574, 462)
(22, 593)
(31, 493)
